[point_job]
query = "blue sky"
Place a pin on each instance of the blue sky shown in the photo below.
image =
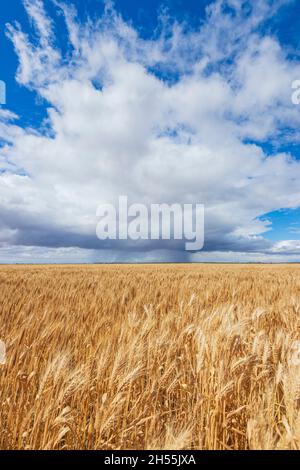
(30, 108)
(169, 101)
(143, 15)
(285, 224)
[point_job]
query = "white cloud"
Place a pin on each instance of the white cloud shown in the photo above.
(116, 127)
(287, 247)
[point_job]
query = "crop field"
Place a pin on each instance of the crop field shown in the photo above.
(150, 357)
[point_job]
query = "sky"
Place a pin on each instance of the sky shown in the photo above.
(165, 102)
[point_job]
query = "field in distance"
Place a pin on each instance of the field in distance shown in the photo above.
(150, 357)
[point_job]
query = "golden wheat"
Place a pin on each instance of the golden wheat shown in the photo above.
(150, 357)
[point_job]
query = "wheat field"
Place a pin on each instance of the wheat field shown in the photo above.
(150, 357)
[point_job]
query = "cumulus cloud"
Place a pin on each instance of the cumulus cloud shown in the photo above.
(116, 125)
